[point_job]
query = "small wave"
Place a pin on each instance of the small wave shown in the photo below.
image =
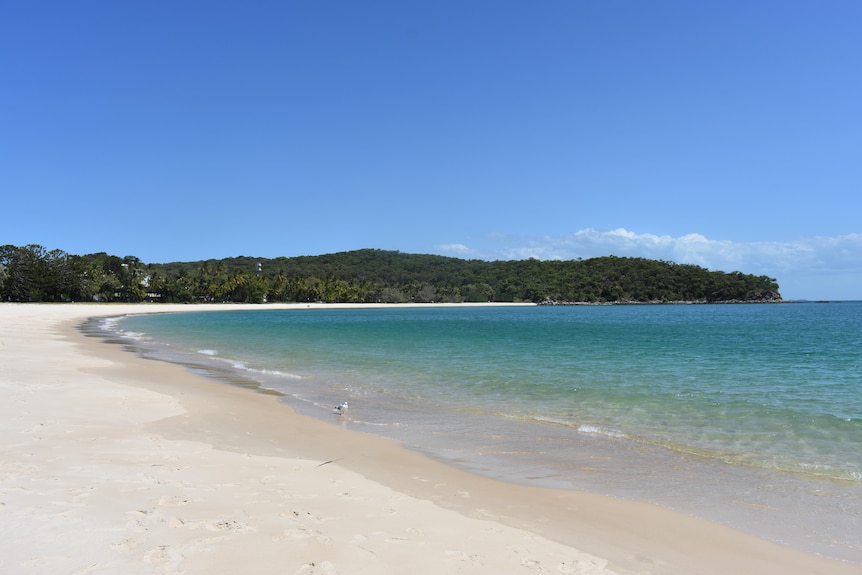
(829, 471)
(241, 366)
(278, 373)
(109, 323)
(585, 428)
(133, 334)
(378, 424)
(596, 430)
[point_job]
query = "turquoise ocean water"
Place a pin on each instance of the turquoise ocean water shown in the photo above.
(746, 414)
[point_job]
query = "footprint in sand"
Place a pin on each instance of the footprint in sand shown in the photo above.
(322, 568)
(138, 520)
(126, 545)
(578, 567)
(172, 501)
(308, 516)
(301, 533)
(94, 568)
(472, 558)
(163, 555)
(230, 525)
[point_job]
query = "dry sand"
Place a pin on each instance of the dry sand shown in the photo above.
(115, 464)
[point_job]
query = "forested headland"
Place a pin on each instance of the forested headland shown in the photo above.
(34, 274)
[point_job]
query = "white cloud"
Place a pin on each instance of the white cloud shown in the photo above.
(459, 249)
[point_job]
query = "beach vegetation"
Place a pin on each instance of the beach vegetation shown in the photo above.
(33, 273)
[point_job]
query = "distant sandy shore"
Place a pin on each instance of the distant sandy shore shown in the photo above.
(115, 464)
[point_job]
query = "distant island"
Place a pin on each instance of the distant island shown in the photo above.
(34, 274)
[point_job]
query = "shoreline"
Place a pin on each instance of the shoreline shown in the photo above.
(166, 471)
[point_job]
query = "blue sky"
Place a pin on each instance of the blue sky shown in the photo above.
(722, 133)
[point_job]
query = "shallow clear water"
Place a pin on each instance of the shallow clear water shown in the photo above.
(748, 414)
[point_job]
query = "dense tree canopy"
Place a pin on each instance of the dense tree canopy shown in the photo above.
(32, 273)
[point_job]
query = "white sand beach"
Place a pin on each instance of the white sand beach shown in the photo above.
(115, 464)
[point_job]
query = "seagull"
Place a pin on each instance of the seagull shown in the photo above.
(341, 408)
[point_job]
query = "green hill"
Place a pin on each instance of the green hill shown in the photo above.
(31, 273)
